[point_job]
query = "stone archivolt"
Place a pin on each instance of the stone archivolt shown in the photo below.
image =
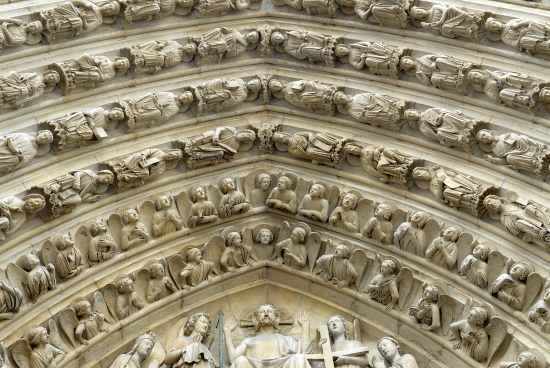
(340, 236)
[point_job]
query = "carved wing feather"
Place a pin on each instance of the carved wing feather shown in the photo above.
(365, 211)
(141, 282)
(432, 229)
(110, 294)
(68, 322)
(405, 281)
(398, 217)
(464, 247)
(359, 260)
(247, 237)
(115, 226)
(285, 232)
(184, 206)
(49, 255)
(55, 337)
(100, 306)
(17, 278)
(249, 184)
(302, 188)
(21, 352)
(81, 240)
(496, 263)
(333, 198)
(146, 213)
(215, 196)
(213, 252)
(497, 332)
(467, 307)
(175, 266)
(532, 288)
(313, 246)
(447, 305)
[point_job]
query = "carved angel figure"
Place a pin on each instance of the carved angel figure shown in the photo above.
(346, 215)
(90, 323)
(340, 341)
(522, 217)
(336, 268)
(378, 110)
(306, 45)
(16, 89)
(236, 254)
(66, 258)
(188, 350)
(298, 246)
(147, 10)
(17, 149)
(451, 21)
(263, 250)
(387, 164)
(384, 287)
(65, 193)
(166, 220)
(283, 196)
(540, 314)
(153, 108)
(10, 301)
(127, 301)
(320, 148)
(379, 57)
(14, 212)
(202, 211)
(196, 270)
(214, 45)
(390, 350)
(456, 190)
(142, 167)
(387, 13)
(13, 32)
(88, 71)
(480, 333)
(379, 227)
(426, 309)
(76, 18)
(440, 71)
(511, 287)
(133, 233)
(233, 201)
(77, 128)
(314, 205)
(102, 246)
(443, 250)
(309, 95)
(152, 56)
(451, 129)
(159, 285)
(475, 266)
(35, 350)
(259, 194)
(411, 237)
(525, 360)
(35, 278)
(517, 151)
(510, 88)
(139, 352)
(520, 34)
(221, 94)
(211, 146)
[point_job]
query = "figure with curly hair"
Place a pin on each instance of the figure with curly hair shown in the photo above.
(510, 287)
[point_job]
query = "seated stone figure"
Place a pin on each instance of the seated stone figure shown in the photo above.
(202, 211)
(510, 287)
(142, 167)
(443, 251)
(345, 215)
(13, 32)
(303, 45)
(517, 151)
(314, 205)
(14, 212)
(451, 129)
(336, 268)
(17, 149)
(379, 227)
(283, 197)
(16, 89)
(88, 71)
(77, 128)
(539, 312)
(220, 43)
(268, 346)
(166, 220)
(233, 202)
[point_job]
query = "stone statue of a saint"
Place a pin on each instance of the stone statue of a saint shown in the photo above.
(283, 197)
(16, 89)
(378, 110)
(10, 301)
(133, 233)
(17, 149)
(268, 347)
(340, 341)
(152, 56)
(390, 350)
(306, 45)
(526, 35)
(379, 57)
(336, 268)
(221, 94)
(540, 313)
(451, 129)
(220, 43)
(14, 212)
(139, 352)
(188, 351)
(166, 220)
(13, 32)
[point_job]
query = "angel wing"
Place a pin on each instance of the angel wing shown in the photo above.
(333, 197)
(447, 305)
(404, 280)
(115, 226)
(373, 266)
(249, 184)
(365, 211)
(141, 282)
(359, 260)
(466, 310)
(49, 255)
(498, 333)
(110, 295)
(17, 278)
(532, 288)
(285, 232)
(100, 306)
(184, 204)
(213, 250)
(313, 246)
(432, 229)
(464, 245)
(302, 188)
(398, 217)
(496, 263)
(81, 240)
(175, 265)
(68, 323)
(55, 337)
(21, 352)
(247, 238)
(464, 251)
(146, 213)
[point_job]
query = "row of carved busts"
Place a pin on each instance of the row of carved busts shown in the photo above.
(513, 89)
(346, 265)
(80, 17)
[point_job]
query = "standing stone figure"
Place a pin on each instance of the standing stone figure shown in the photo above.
(379, 57)
(152, 56)
(16, 89)
(14, 212)
(306, 45)
(218, 43)
(526, 35)
(17, 149)
(378, 110)
(13, 32)
(166, 220)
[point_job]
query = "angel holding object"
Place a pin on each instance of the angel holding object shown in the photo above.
(435, 309)
(339, 340)
(34, 350)
(102, 246)
(159, 285)
(384, 287)
(233, 202)
(346, 214)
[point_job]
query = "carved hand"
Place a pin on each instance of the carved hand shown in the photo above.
(230, 325)
(303, 318)
(377, 362)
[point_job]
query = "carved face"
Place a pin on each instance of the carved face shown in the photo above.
(281, 184)
(115, 115)
(450, 233)
(44, 337)
(129, 286)
(33, 261)
(201, 326)
(475, 77)
(428, 294)
(383, 211)
(348, 201)
(101, 226)
(159, 271)
(32, 205)
(417, 218)
(493, 25)
(34, 27)
(516, 271)
(164, 202)
(336, 326)
(316, 191)
(200, 193)
(144, 348)
(122, 63)
(480, 251)
(229, 184)
(485, 136)
(266, 315)
(340, 251)
(265, 237)
(236, 241)
(388, 349)
(265, 183)
(421, 174)
(492, 204)
(386, 269)
(296, 236)
(132, 216)
(104, 179)
(472, 317)
(547, 296)
(523, 360)
(66, 242)
(51, 78)
(44, 137)
(544, 94)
